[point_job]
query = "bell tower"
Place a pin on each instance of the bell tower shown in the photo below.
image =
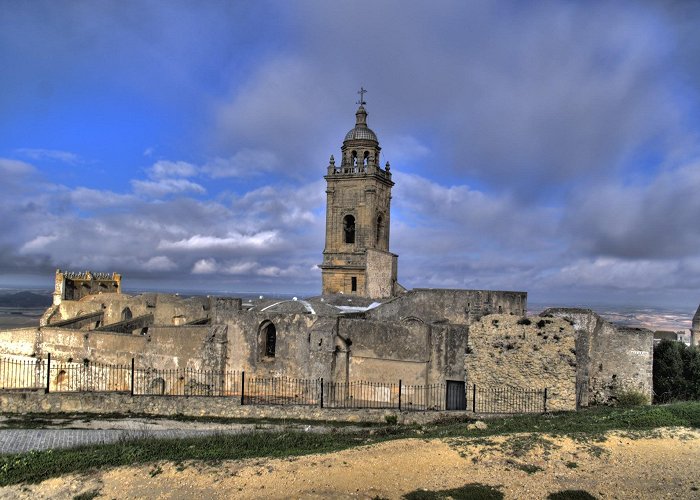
(356, 258)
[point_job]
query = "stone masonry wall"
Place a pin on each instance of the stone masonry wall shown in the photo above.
(461, 307)
(381, 273)
(106, 403)
(614, 359)
(504, 351)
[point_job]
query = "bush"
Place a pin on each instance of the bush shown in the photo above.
(391, 419)
(676, 372)
(627, 398)
(524, 321)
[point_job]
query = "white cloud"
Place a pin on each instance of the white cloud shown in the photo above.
(15, 168)
(51, 154)
(87, 198)
(245, 163)
(240, 268)
(231, 241)
(40, 243)
(159, 263)
(164, 169)
(205, 266)
(165, 187)
(612, 273)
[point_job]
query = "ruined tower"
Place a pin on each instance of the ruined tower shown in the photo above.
(356, 258)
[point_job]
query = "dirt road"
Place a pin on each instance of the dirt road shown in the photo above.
(661, 464)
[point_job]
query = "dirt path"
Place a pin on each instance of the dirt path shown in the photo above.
(662, 464)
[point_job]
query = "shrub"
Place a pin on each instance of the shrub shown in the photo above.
(391, 419)
(541, 323)
(631, 397)
(524, 321)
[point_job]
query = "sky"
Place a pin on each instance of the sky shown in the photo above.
(549, 147)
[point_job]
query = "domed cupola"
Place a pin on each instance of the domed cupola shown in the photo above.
(360, 147)
(361, 131)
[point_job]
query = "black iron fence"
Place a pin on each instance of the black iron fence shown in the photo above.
(69, 376)
(22, 374)
(507, 400)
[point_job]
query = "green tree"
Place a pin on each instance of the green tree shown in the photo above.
(676, 372)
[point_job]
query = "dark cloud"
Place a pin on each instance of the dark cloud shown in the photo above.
(655, 220)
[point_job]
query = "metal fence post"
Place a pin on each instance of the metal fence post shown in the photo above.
(399, 394)
(48, 372)
(132, 376)
(545, 400)
(474, 398)
(242, 386)
(321, 392)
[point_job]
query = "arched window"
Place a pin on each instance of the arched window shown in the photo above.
(379, 229)
(349, 229)
(268, 338)
(366, 159)
(126, 314)
(354, 158)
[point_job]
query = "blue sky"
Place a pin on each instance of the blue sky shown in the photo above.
(550, 147)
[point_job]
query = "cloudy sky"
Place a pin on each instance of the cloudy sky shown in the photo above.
(551, 147)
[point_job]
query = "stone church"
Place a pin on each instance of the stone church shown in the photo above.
(363, 327)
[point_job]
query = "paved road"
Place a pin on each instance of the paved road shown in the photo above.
(21, 440)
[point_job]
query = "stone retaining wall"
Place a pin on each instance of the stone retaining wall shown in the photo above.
(196, 406)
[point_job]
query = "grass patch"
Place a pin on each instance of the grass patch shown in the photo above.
(473, 491)
(522, 444)
(587, 426)
(529, 468)
(88, 495)
(37, 466)
(64, 420)
(571, 495)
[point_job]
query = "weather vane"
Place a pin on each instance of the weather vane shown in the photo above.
(362, 93)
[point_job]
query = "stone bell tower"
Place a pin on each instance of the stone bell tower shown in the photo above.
(356, 259)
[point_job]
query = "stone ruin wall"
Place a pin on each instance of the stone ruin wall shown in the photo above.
(504, 351)
(612, 359)
(460, 307)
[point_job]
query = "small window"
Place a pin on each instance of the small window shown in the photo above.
(349, 229)
(353, 283)
(268, 337)
(126, 314)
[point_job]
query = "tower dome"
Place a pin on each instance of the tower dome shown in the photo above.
(361, 131)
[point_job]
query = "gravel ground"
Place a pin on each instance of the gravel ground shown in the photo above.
(658, 464)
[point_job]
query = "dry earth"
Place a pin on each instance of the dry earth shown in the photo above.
(658, 464)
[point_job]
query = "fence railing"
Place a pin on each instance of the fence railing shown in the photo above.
(507, 400)
(22, 374)
(68, 376)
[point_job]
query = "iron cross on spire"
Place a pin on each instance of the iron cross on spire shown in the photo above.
(362, 93)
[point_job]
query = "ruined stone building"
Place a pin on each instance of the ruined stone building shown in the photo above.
(364, 325)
